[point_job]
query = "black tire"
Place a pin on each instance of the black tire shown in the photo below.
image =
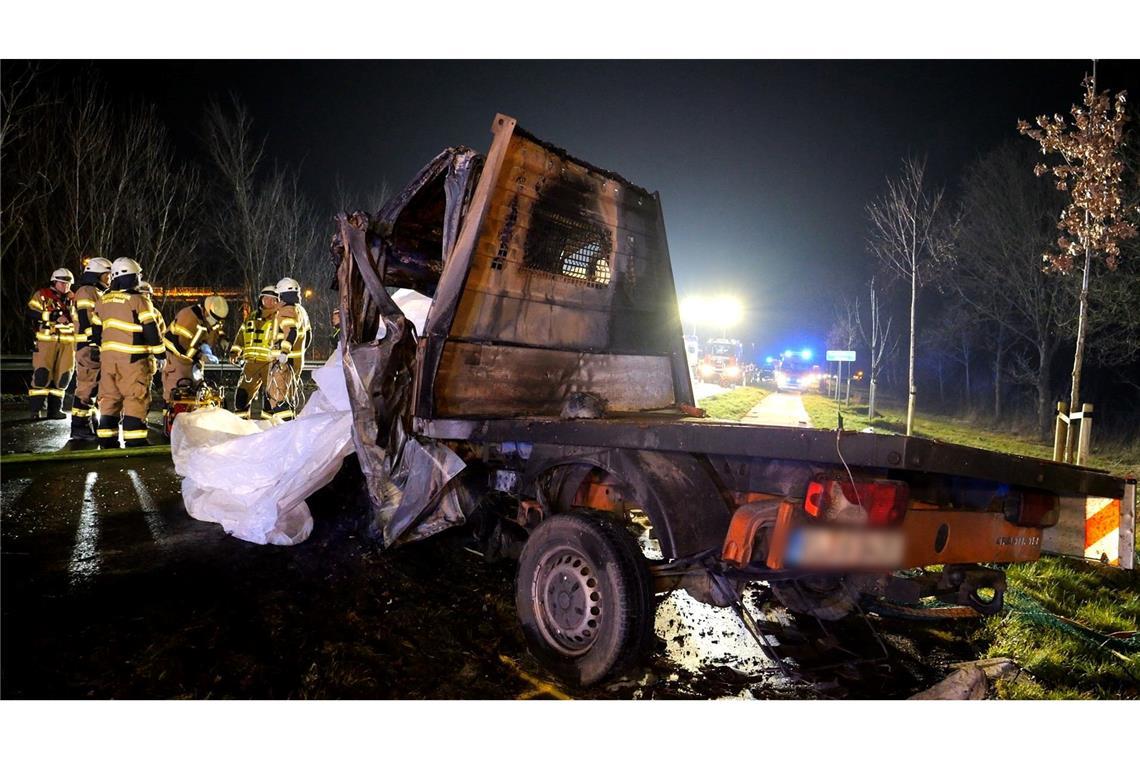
(584, 597)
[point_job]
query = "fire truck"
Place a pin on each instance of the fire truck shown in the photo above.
(722, 362)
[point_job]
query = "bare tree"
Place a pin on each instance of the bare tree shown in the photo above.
(264, 221)
(905, 237)
(237, 219)
(83, 180)
(161, 211)
(876, 332)
(953, 340)
(28, 149)
(844, 330)
(995, 267)
(1093, 223)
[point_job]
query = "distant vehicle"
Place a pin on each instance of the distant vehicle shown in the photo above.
(795, 374)
(722, 362)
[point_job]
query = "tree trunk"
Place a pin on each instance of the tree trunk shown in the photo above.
(941, 389)
(912, 388)
(999, 350)
(1044, 402)
(967, 380)
(871, 400)
(1078, 357)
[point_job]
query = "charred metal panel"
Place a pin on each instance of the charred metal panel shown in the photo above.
(417, 228)
(472, 378)
(570, 258)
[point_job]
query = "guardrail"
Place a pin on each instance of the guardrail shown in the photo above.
(23, 363)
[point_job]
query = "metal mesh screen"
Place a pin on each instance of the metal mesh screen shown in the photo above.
(572, 248)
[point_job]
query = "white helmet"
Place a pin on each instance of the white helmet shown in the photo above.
(98, 265)
(288, 285)
(216, 308)
(268, 290)
(63, 275)
(146, 288)
(123, 265)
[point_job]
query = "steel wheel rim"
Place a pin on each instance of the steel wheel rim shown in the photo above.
(567, 600)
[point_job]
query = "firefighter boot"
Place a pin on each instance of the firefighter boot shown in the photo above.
(134, 431)
(54, 403)
(108, 431)
(36, 405)
(83, 425)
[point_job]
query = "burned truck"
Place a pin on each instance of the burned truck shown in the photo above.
(547, 404)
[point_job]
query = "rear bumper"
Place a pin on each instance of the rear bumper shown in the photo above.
(1092, 528)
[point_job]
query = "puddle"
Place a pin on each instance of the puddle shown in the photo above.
(85, 562)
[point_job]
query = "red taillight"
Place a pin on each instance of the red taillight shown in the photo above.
(1037, 509)
(873, 502)
(813, 499)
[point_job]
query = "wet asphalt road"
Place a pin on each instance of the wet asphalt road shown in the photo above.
(110, 590)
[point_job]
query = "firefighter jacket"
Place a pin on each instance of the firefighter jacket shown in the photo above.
(125, 322)
(255, 337)
(45, 307)
(293, 330)
(86, 296)
(188, 332)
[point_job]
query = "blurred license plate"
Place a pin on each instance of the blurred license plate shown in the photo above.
(831, 548)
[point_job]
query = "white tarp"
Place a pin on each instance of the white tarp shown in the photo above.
(252, 477)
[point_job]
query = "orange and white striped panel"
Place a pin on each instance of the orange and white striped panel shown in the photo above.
(1096, 528)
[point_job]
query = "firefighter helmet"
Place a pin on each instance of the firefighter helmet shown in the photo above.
(146, 288)
(216, 308)
(63, 275)
(269, 291)
(98, 265)
(288, 285)
(123, 265)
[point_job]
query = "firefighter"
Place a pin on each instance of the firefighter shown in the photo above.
(148, 290)
(289, 344)
(125, 329)
(53, 315)
(92, 284)
(251, 348)
(192, 327)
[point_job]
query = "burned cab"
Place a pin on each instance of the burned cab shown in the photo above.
(547, 403)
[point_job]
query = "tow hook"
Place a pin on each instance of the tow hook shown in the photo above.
(962, 584)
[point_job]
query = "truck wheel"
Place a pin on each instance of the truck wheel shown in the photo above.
(584, 597)
(826, 597)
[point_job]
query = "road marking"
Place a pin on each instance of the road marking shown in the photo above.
(85, 553)
(540, 687)
(151, 514)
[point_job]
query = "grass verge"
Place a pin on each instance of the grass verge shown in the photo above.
(1118, 460)
(733, 404)
(1071, 626)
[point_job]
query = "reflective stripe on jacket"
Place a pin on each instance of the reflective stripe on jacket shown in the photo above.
(126, 322)
(46, 306)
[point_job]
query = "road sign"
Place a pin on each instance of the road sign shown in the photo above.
(841, 356)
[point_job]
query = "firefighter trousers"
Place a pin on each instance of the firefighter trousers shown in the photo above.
(124, 392)
(86, 382)
(52, 364)
(254, 377)
(176, 369)
(283, 387)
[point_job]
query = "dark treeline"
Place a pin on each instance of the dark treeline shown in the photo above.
(86, 176)
(995, 328)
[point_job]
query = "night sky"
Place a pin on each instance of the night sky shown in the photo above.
(764, 168)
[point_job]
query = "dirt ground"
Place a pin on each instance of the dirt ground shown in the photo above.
(110, 590)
